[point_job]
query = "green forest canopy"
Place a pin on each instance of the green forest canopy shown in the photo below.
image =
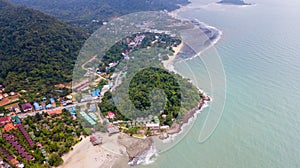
(81, 13)
(36, 50)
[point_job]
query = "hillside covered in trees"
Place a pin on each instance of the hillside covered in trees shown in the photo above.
(36, 50)
(90, 14)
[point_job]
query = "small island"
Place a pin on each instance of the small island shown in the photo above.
(233, 2)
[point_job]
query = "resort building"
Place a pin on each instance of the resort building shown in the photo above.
(37, 107)
(52, 101)
(96, 93)
(104, 89)
(16, 120)
(5, 95)
(4, 120)
(87, 118)
(26, 107)
(96, 139)
(20, 149)
(153, 126)
(110, 115)
(72, 110)
(9, 127)
(165, 127)
(49, 106)
(27, 137)
(111, 129)
(54, 112)
(15, 109)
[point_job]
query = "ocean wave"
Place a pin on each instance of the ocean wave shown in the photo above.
(145, 158)
(172, 137)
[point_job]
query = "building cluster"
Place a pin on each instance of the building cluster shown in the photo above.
(14, 123)
(4, 94)
(10, 102)
(137, 41)
(3, 164)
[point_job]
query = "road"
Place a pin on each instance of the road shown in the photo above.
(24, 115)
(90, 60)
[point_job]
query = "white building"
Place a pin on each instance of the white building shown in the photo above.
(153, 126)
(104, 89)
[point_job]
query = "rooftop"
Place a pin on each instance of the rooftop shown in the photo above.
(26, 106)
(4, 119)
(9, 127)
(56, 111)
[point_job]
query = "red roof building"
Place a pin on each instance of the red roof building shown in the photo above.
(21, 150)
(92, 139)
(26, 136)
(53, 112)
(111, 115)
(4, 120)
(9, 127)
(14, 161)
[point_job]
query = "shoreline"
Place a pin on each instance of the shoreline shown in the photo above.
(201, 26)
(84, 154)
(187, 119)
(169, 65)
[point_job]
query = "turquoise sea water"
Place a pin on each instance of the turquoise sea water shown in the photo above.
(260, 125)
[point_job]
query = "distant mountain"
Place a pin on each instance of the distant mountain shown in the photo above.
(90, 14)
(36, 50)
(234, 2)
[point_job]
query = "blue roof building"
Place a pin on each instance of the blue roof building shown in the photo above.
(96, 93)
(37, 106)
(48, 106)
(52, 100)
(16, 120)
(72, 110)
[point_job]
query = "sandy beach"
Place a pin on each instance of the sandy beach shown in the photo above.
(115, 147)
(84, 154)
(168, 64)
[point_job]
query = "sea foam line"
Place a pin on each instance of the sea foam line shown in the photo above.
(147, 157)
(184, 126)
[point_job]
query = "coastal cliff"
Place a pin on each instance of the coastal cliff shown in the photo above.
(177, 127)
(134, 147)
